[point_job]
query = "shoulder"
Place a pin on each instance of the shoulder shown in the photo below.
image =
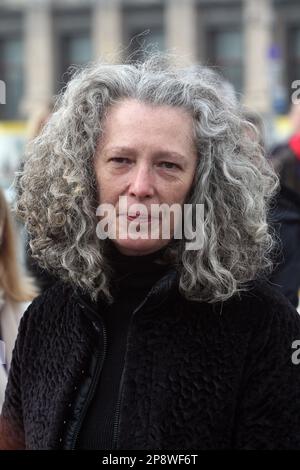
(58, 294)
(48, 306)
(258, 309)
(264, 300)
(267, 312)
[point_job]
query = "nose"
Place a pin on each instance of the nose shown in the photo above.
(141, 184)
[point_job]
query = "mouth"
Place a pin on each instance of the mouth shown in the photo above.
(133, 217)
(140, 218)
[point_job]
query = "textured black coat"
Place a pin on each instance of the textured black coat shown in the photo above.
(196, 376)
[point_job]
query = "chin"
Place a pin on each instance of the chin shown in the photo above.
(139, 247)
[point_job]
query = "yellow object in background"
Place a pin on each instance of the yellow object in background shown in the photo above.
(13, 127)
(283, 128)
(13, 135)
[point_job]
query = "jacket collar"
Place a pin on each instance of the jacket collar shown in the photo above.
(163, 289)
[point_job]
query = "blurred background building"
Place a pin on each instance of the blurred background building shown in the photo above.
(254, 42)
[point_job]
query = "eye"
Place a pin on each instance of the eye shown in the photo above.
(120, 160)
(170, 165)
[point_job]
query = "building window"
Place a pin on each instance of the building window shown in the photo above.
(11, 73)
(293, 56)
(73, 42)
(75, 50)
(225, 50)
(143, 27)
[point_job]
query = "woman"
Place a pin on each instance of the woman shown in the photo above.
(16, 292)
(146, 343)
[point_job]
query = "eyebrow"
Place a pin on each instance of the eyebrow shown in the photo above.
(120, 149)
(162, 153)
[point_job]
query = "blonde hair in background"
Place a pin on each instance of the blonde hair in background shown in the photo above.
(39, 118)
(16, 285)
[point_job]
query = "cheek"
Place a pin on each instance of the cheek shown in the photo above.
(107, 193)
(105, 187)
(175, 196)
(179, 192)
(188, 184)
(109, 190)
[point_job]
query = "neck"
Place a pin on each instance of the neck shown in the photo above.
(134, 273)
(114, 254)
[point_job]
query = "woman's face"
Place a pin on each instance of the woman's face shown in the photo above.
(146, 153)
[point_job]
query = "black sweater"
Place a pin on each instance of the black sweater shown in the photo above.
(133, 278)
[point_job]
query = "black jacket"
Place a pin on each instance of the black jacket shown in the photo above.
(196, 375)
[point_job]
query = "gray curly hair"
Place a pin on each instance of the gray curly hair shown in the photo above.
(58, 188)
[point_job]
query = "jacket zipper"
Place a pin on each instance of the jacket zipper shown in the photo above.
(95, 382)
(118, 405)
(92, 387)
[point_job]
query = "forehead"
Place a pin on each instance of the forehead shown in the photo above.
(137, 121)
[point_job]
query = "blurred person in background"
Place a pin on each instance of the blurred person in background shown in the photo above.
(39, 118)
(286, 214)
(144, 343)
(16, 291)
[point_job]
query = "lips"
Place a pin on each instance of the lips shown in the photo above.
(141, 219)
(138, 216)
